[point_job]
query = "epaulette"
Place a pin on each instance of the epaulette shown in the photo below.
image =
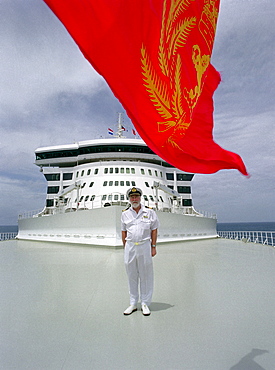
(148, 207)
(128, 206)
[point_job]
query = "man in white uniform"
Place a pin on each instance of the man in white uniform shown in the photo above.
(139, 227)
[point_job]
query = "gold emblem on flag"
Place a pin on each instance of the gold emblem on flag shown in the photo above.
(173, 98)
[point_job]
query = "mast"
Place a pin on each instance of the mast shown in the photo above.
(120, 127)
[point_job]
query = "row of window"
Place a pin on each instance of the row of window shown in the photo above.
(56, 176)
(116, 170)
(180, 189)
(120, 197)
(94, 149)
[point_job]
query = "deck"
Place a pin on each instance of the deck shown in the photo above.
(213, 308)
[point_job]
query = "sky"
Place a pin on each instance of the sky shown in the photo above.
(50, 95)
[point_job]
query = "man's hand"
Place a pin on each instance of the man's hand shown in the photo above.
(154, 251)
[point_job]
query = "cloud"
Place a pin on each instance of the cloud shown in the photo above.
(50, 95)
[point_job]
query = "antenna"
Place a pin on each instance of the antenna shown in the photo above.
(120, 128)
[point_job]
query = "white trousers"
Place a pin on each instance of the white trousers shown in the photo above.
(139, 268)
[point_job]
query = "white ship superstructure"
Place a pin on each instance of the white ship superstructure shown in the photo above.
(86, 186)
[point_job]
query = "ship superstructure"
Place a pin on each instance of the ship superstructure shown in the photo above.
(93, 176)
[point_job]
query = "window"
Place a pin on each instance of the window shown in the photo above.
(184, 176)
(151, 198)
(156, 173)
(80, 200)
(150, 172)
(82, 173)
(52, 176)
(184, 189)
(161, 174)
(105, 170)
(187, 202)
(146, 183)
(121, 183)
(88, 172)
(96, 171)
(77, 174)
(127, 183)
(161, 198)
(116, 183)
(127, 170)
(49, 203)
(105, 183)
(170, 186)
(122, 170)
(116, 170)
(169, 176)
(53, 189)
(92, 198)
(111, 183)
(110, 197)
(87, 198)
(145, 197)
(142, 171)
(111, 170)
(104, 197)
(133, 183)
(122, 197)
(67, 176)
(133, 171)
(91, 184)
(115, 197)
(83, 185)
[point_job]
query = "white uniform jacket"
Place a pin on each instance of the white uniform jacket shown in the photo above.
(139, 225)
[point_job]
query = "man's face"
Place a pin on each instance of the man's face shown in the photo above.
(135, 200)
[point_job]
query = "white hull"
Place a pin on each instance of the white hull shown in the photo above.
(101, 226)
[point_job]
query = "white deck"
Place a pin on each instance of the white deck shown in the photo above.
(213, 308)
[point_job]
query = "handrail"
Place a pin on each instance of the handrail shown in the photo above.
(261, 237)
(7, 236)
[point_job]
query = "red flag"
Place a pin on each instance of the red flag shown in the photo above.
(155, 56)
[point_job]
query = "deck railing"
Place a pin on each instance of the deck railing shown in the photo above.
(7, 236)
(261, 237)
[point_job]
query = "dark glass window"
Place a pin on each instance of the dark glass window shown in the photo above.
(169, 176)
(184, 189)
(96, 171)
(67, 176)
(53, 189)
(88, 172)
(52, 176)
(187, 202)
(94, 149)
(87, 197)
(184, 177)
(133, 183)
(91, 184)
(146, 183)
(105, 183)
(49, 203)
(92, 197)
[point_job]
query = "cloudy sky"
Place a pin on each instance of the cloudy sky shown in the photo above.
(49, 95)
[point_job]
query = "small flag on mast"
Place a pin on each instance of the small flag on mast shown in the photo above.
(110, 131)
